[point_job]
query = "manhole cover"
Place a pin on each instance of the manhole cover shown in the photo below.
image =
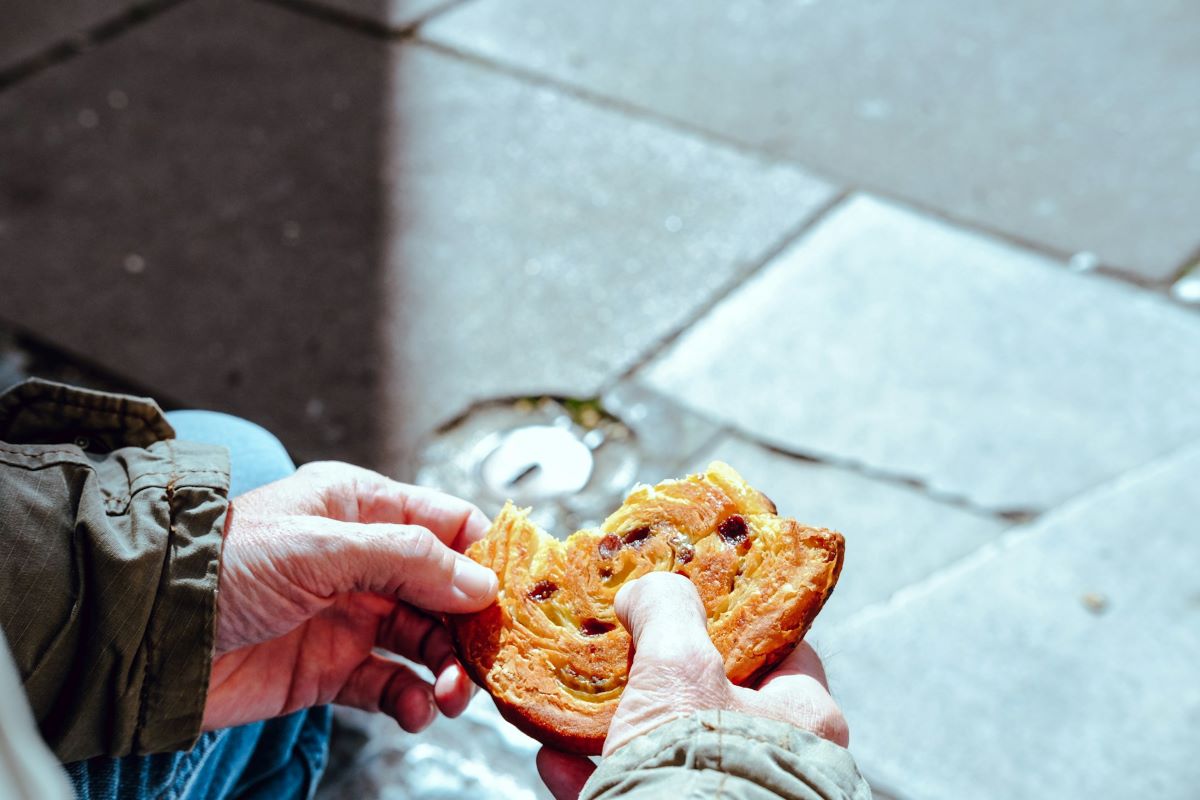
(568, 459)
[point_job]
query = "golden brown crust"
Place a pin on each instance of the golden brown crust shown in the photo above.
(551, 651)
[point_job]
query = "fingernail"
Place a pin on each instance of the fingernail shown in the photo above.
(418, 709)
(474, 580)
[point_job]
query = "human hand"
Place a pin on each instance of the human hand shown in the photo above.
(323, 567)
(677, 670)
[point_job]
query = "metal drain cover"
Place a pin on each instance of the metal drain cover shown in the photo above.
(568, 459)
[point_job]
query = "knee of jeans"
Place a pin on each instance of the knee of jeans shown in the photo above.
(256, 456)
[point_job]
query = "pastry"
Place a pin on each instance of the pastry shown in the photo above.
(551, 650)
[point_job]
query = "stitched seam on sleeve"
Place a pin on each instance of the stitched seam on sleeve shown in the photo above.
(751, 737)
(685, 733)
(148, 636)
(117, 504)
(762, 740)
(175, 479)
(720, 744)
(41, 451)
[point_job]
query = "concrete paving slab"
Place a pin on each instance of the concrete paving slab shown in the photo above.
(1067, 124)
(393, 15)
(1061, 663)
(895, 535)
(900, 342)
(352, 253)
(29, 29)
(477, 755)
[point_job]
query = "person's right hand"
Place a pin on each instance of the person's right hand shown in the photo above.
(324, 577)
(677, 670)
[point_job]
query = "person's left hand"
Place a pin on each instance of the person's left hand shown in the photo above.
(677, 670)
(321, 571)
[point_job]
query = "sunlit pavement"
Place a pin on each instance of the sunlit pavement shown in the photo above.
(921, 272)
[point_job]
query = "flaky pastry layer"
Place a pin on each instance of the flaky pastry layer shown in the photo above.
(551, 651)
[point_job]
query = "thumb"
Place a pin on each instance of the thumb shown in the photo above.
(408, 562)
(665, 618)
(676, 669)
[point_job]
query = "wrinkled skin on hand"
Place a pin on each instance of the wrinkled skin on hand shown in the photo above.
(322, 568)
(676, 670)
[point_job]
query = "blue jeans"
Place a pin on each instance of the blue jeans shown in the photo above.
(279, 758)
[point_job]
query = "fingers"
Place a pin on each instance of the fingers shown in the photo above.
(564, 774)
(403, 561)
(452, 519)
(801, 661)
(420, 638)
(801, 701)
(353, 494)
(665, 618)
(379, 684)
(796, 692)
(453, 690)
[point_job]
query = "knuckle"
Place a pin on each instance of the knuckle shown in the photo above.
(321, 471)
(685, 665)
(419, 544)
(702, 655)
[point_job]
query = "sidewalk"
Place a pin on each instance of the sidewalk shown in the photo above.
(919, 272)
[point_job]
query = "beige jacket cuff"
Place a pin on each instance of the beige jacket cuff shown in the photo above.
(728, 755)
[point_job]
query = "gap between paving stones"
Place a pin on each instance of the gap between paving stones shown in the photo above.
(721, 431)
(1010, 538)
(724, 292)
(351, 21)
(1015, 516)
(85, 40)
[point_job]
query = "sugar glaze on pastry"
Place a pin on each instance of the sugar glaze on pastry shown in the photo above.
(551, 651)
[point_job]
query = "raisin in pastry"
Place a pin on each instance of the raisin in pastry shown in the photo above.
(551, 651)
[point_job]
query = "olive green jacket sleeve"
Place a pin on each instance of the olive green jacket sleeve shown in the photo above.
(733, 756)
(110, 536)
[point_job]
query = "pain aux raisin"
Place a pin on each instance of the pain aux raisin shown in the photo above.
(542, 590)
